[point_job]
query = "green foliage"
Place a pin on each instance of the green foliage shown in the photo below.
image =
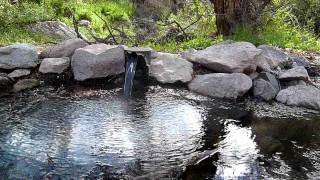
(16, 34)
(280, 28)
(200, 42)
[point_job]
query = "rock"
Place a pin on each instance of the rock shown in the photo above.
(293, 83)
(271, 79)
(18, 56)
(26, 84)
(300, 61)
(97, 61)
(170, 68)
(54, 65)
(300, 95)
(275, 57)
(84, 23)
(237, 57)
(5, 81)
(263, 89)
(296, 73)
(64, 49)
(221, 85)
(54, 29)
(19, 73)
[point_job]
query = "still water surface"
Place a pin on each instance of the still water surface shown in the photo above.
(96, 134)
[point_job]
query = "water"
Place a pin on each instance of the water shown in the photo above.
(85, 133)
(130, 73)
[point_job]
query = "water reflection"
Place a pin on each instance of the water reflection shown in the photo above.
(149, 136)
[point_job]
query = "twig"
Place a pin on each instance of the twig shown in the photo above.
(108, 28)
(76, 29)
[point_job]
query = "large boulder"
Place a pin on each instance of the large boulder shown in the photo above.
(25, 84)
(63, 49)
(237, 57)
(54, 29)
(263, 89)
(296, 73)
(97, 61)
(18, 73)
(170, 68)
(221, 85)
(18, 56)
(54, 65)
(300, 95)
(275, 57)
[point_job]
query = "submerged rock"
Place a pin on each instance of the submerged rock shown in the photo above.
(275, 57)
(170, 68)
(18, 56)
(64, 49)
(237, 57)
(264, 89)
(97, 61)
(19, 73)
(26, 84)
(296, 73)
(54, 65)
(300, 95)
(55, 29)
(221, 85)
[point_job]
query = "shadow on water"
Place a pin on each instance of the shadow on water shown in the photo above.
(154, 134)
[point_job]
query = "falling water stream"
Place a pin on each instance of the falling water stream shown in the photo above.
(87, 133)
(131, 65)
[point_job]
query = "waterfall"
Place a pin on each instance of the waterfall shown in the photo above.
(131, 64)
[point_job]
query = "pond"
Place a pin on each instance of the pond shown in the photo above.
(94, 133)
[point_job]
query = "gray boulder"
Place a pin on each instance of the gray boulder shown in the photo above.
(25, 84)
(300, 95)
(18, 56)
(54, 29)
(5, 81)
(64, 49)
(54, 65)
(275, 57)
(263, 89)
(170, 68)
(18, 73)
(300, 61)
(296, 73)
(237, 57)
(97, 61)
(271, 79)
(221, 85)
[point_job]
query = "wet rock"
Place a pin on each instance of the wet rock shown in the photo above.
(263, 89)
(97, 61)
(221, 85)
(275, 57)
(54, 65)
(25, 84)
(5, 84)
(171, 68)
(64, 49)
(18, 73)
(18, 56)
(300, 95)
(237, 57)
(296, 73)
(55, 29)
(271, 79)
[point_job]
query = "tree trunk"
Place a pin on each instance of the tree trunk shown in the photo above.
(231, 14)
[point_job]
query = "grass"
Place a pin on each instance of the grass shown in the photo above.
(279, 28)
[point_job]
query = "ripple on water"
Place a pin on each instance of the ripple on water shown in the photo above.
(98, 133)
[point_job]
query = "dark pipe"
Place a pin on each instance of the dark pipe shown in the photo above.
(131, 64)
